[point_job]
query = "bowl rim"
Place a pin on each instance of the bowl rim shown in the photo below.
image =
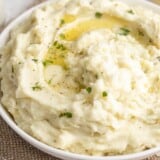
(44, 147)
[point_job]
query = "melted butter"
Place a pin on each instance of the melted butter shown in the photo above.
(56, 55)
(68, 18)
(108, 22)
(97, 23)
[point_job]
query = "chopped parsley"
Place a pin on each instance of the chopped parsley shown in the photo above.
(47, 62)
(49, 81)
(124, 31)
(35, 60)
(98, 15)
(36, 87)
(62, 36)
(55, 43)
(104, 94)
(66, 114)
(130, 11)
(61, 46)
(89, 89)
(62, 22)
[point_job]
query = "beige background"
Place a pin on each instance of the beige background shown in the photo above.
(12, 147)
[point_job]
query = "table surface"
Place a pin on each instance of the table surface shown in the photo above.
(13, 147)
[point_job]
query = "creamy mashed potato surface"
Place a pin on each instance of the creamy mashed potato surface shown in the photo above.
(84, 76)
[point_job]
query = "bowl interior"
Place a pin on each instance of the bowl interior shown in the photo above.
(4, 36)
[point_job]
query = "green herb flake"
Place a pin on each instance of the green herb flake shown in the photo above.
(58, 46)
(98, 15)
(49, 81)
(124, 31)
(62, 36)
(104, 94)
(66, 114)
(61, 47)
(47, 62)
(130, 11)
(55, 43)
(62, 22)
(35, 60)
(89, 89)
(36, 87)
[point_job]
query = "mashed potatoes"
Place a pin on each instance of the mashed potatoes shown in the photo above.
(84, 76)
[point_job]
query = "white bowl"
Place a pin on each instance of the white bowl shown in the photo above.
(53, 151)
